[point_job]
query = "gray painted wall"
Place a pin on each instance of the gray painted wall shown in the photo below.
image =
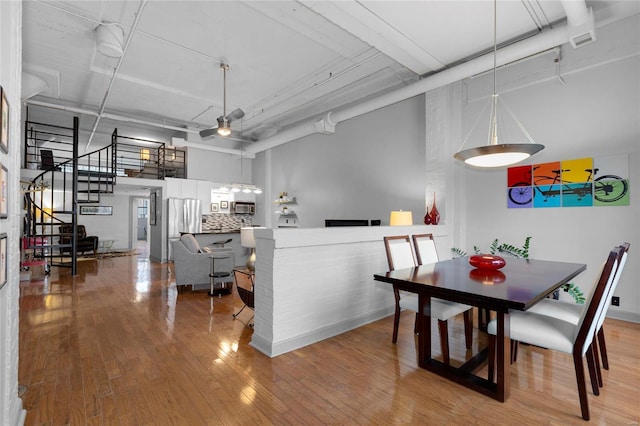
(372, 164)
(217, 167)
(110, 227)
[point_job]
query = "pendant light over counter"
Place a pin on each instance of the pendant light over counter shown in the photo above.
(496, 154)
(247, 188)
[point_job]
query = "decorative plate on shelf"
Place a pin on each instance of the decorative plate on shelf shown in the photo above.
(486, 261)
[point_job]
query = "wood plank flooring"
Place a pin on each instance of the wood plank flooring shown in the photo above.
(117, 345)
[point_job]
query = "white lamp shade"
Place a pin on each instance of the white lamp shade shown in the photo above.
(247, 239)
(400, 218)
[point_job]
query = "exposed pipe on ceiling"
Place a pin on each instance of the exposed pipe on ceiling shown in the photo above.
(181, 143)
(325, 125)
(577, 12)
(122, 118)
(105, 99)
(533, 45)
(110, 116)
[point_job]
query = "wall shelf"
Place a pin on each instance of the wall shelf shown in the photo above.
(290, 200)
(287, 218)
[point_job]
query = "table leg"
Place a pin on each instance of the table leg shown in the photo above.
(483, 318)
(424, 330)
(503, 356)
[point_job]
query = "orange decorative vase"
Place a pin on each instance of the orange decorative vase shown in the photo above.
(435, 214)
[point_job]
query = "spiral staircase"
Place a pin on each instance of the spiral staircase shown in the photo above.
(53, 197)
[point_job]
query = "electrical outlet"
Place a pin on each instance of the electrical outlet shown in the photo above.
(615, 301)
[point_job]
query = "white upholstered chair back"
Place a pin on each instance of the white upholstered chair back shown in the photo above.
(612, 289)
(600, 304)
(425, 249)
(190, 243)
(399, 252)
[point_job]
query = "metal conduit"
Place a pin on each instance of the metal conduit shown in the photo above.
(115, 72)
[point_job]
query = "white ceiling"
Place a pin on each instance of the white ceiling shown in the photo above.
(289, 60)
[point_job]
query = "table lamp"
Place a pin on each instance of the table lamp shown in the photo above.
(400, 218)
(247, 239)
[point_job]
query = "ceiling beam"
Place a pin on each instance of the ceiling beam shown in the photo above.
(356, 19)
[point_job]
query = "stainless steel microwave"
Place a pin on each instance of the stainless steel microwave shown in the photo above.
(243, 207)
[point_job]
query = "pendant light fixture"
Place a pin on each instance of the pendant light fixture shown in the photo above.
(496, 154)
(247, 188)
(224, 129)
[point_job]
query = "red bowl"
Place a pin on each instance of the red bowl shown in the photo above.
(486, 261)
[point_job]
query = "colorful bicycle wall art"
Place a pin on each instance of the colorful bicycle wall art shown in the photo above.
(571, 183)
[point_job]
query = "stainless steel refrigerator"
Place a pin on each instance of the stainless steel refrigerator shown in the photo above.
(184, 215)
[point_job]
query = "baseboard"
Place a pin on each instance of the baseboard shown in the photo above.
(22, 417)
(274, 349)
(20, 413)
(624, 315)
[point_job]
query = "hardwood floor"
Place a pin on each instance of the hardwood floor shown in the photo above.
(118, 345)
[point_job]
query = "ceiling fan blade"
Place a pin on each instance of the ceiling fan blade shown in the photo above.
(208, 132)
(236, 114)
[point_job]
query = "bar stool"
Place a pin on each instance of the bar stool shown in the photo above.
(221, 272)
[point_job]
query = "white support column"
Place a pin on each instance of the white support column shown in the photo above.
(443, 109)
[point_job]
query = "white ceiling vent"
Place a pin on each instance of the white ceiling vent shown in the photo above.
(581, 26)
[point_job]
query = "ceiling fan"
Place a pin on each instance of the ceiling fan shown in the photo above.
(224, 121)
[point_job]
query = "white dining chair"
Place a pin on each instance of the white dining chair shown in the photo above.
(571, 312)
(425, 247)
(399, 256)
(562, 336)
(426, 253)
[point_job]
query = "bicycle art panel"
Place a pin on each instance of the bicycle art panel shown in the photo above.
(584, 182)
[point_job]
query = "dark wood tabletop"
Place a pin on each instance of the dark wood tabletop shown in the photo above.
(518, 285)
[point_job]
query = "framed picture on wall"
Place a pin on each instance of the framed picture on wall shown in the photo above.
(214, 207)
(224, 204)
(4, 115)
(98, 210)
(152, 209)
(4, 194)
(3, 260)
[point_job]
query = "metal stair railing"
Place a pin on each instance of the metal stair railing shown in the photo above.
(52, 197)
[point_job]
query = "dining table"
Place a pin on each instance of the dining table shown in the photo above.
(520, 284)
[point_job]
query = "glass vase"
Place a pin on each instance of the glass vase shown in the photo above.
(435, 214)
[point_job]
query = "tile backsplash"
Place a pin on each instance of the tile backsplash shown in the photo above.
(216, 221)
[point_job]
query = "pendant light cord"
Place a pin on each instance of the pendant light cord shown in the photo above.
(495, 46)
(224, 89)
(493, 126)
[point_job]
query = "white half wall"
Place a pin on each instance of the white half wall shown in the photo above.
(312, 284)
